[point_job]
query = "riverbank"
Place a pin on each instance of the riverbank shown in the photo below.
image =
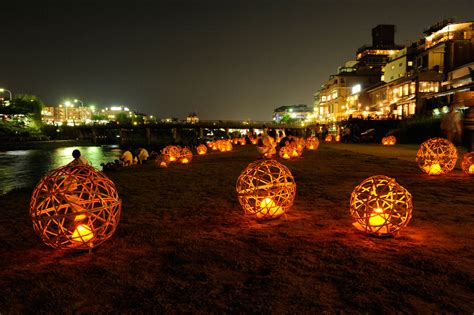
(184, 245)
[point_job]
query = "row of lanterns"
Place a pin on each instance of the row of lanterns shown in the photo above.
(78, 207)
(380, 206)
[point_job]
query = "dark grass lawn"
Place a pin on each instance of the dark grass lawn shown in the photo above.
(184, 245)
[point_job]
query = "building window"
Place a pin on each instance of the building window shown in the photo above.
(323, 98)
(410, 63)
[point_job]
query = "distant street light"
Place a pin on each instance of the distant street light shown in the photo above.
(79, 101)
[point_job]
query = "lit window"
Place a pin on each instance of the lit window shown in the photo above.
(410, 63)
(323, 98)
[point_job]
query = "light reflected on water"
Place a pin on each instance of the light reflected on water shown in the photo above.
(24, 168)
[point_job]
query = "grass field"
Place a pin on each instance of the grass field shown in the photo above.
(184, 245)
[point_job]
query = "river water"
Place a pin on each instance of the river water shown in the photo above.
(24, 168)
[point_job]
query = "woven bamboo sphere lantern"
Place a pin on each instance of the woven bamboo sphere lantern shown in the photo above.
(380, 206)
(338, 138)
(328, 138)
(300, 144)
(266, 189)
(312, 143)
(467, 163)
(185, 156)
(242, 141)
(437, 156)
(75, 207)
(285, 152)
(390, 140)
(201, 149)
(236, 140)
(172, 152)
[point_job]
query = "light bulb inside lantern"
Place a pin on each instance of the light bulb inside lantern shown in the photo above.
(184, 161)
(433, 169)
(295, 153)
(377, 221)
(286, 156)
(268, 208)
(471, 169)
(172, 158)
(82, 233)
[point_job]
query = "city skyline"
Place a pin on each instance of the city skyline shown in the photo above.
(233, 60)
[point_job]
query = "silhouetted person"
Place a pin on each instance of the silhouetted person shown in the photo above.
(78, 159)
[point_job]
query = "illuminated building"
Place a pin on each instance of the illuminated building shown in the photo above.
(300, 112)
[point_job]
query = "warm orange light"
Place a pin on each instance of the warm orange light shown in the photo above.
(433, 169)
(172, 159)
(471, 169)
(184, 161)
(286, 156)
(82, 233)
(338, 138)
(269, 208)
(294, 153)
(163, 164)
(328, 138)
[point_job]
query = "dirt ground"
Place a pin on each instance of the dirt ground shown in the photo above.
(184, 245)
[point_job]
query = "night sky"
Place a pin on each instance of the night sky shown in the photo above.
(222, 59)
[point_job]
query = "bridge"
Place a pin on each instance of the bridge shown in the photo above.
(163, 133)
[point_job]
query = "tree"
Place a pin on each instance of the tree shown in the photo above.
(28, 105)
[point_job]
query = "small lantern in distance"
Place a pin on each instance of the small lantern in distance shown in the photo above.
(328, 138)
(467, 163)
(380, 206)
(172, 152)
(312, 143)
(266, 189)
(390, 140)
(75, 207)
(437, 156)
(201, 149)
(185, 156)
(285, 152)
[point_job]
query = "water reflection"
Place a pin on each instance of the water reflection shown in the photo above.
(24, 168)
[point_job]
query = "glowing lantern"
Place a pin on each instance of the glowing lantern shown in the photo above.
(380, 206)
(254, 141)
(285, 152)
(236, 140)
(201, 149)
(242, 141)
(437, 156)
(228, 146)
(328, 138)
(266, 189)
(312, 143)
(338, 138)
(185, 156)
(390, 140)
(75, 207)
(467, 163)
(171, 152)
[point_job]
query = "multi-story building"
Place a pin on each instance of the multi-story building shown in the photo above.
(335, 91)
(415, 79)
(300, 112)
(383, 46)
(62, 114)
